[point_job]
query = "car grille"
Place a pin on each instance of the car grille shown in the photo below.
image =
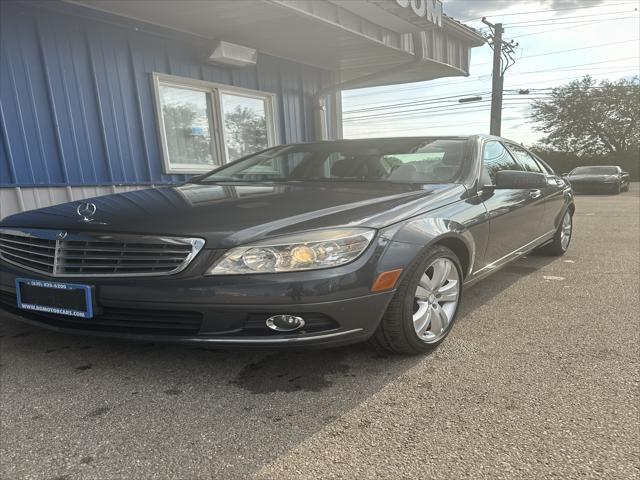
(99, 255)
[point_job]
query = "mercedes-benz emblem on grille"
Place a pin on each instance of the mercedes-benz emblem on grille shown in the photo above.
(61, 235)
(86, 210)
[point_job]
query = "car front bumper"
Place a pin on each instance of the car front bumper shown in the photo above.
(336, 304)
(587, 187)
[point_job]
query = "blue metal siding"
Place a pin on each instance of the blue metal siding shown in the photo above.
(76, 99)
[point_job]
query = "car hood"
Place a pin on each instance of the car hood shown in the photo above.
(227, 215)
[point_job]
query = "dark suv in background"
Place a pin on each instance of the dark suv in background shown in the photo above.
(605, 179)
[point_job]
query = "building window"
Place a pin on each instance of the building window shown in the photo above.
(246, 124)
(203, 125)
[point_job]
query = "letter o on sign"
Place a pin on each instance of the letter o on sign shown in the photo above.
(403, 3)
(419, 7)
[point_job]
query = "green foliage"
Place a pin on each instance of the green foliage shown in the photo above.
(584, 117)
(183, 146)
(246, 132)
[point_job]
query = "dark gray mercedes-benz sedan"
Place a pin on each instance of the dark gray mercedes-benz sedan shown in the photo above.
(307, 245)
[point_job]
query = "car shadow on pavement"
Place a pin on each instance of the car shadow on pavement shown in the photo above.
(224, 412)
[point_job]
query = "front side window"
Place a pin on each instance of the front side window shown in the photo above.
(495, 159)
(204, 125)
(524, 159)
(392, 160)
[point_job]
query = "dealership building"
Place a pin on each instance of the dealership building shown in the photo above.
(100, 96)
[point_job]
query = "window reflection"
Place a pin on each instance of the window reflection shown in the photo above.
(245, 125)
(496, 158)
(187, 119)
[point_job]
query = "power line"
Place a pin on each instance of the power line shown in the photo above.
(463, 108)
(478, 79)
(565, 51)
(445, 100)
(548, 10)
(577, 65)
(564, 20)
(414, 115)
(511, 100)
(546, 24)
(428, 100)
(438, 110)
(465, 80)
(541, 23)
(567, 20)
(568, 28)
(556, 52)
(418, 102)
(576, 77)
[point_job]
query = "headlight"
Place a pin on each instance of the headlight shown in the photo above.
(303, 251)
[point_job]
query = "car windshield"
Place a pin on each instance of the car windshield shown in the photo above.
(430, 160)
(594, 170)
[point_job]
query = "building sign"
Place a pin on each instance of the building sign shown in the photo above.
(430, 10)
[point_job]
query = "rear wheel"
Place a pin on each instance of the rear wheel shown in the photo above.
(562, 237)
(424, 308)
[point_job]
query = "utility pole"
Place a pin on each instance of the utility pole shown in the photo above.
(497, 83)
(503, 58)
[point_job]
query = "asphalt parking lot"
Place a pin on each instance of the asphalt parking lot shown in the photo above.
(539, 379)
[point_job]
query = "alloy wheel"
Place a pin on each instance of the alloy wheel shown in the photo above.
(565, 231)
(436, 300)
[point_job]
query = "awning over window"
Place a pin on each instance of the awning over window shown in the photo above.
(354, 38)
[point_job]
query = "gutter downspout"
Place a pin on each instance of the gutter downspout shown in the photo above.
(320, 98)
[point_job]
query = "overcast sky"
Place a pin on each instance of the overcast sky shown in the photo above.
(581, 26)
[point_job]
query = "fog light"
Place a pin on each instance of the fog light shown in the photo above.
(285, 323)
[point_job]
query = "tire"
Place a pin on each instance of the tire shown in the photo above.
(617, 189)
(558, 247)
(396, 332)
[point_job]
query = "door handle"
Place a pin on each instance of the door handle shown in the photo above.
(535, 193)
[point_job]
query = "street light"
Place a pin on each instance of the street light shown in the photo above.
(469, 99)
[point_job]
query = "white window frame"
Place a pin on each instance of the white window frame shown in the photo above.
(214, 92)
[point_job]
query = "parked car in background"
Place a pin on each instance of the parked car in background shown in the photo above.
(309, 244)
(608, 179)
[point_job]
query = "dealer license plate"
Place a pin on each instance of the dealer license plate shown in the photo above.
(69, 299)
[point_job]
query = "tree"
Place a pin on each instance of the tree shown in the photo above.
(184, 145)
(246, 132)
(586, 118)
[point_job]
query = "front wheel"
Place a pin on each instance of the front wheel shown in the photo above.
(424, 308)
(561, 240)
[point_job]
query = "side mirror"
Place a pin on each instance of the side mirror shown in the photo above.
(512, 179)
